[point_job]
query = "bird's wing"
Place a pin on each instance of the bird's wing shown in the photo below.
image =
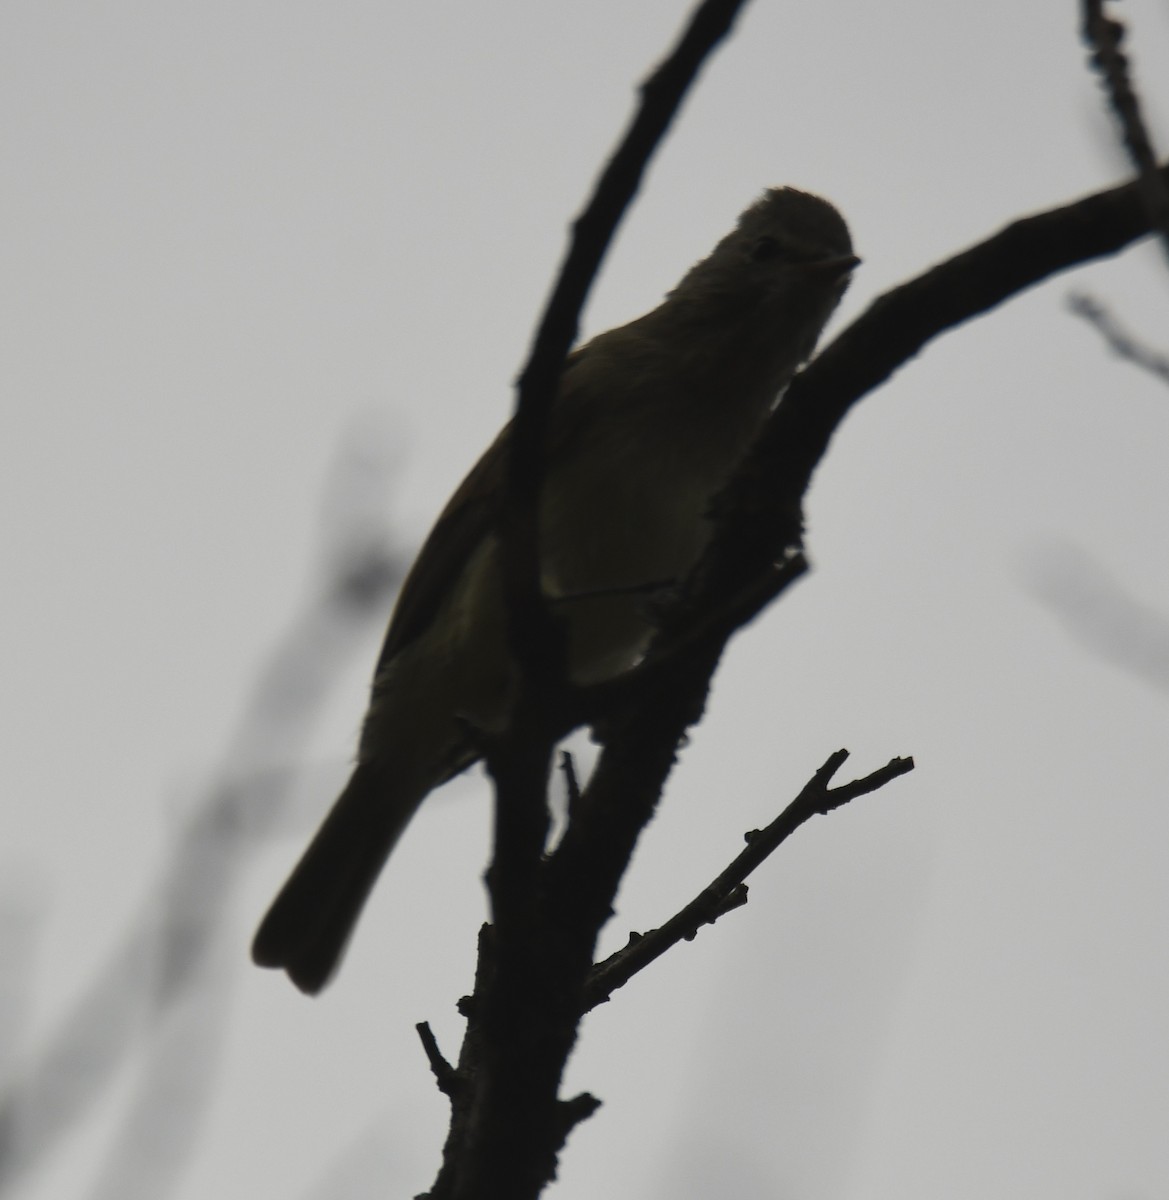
(460, 529)
(468, 518)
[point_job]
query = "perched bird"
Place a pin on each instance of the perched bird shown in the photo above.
(648, 424)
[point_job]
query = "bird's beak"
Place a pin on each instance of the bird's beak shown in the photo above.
(833, 268)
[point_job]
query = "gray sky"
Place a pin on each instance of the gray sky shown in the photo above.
(240, 234)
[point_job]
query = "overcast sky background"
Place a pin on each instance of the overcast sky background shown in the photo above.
(241, 237)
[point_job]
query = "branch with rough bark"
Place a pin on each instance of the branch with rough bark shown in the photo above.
(508, 1123)
(536, 972)
(532, 982)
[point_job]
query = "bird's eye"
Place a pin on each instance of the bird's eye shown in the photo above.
(765, 248)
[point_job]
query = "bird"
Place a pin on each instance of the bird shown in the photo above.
(647, 425)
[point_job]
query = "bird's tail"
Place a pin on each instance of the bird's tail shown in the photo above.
(308, 926)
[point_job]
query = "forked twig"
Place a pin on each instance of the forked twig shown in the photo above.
(728, 891)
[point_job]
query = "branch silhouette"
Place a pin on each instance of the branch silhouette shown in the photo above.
(508, 1121)
(162, 992)
(728, 891)
(1104, 35)
(755, 554)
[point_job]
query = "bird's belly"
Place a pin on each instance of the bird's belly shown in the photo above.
(611, 551)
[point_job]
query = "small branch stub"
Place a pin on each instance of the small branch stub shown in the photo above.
(445, 1075)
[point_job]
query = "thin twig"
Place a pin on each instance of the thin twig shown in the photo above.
(1104, 35)
(728, 891)
(571, 782)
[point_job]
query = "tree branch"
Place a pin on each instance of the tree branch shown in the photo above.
(507, 1139)
(526, 1029)
(445, 1076)
(1117, 338)
(760, 512)
(592, 231)
(1104, 35)
(508, 1131)
(728, 891)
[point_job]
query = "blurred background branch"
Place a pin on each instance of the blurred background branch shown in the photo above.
(162, 994)
(1099, 612)
(1119, 340)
